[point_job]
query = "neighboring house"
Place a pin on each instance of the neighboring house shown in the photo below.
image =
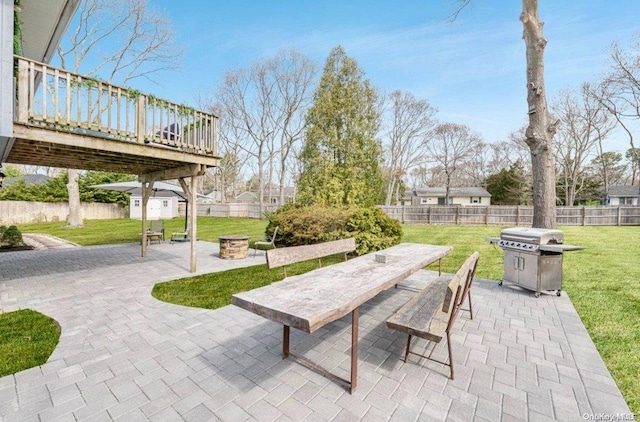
(465, 196)
(289, 196)
(246, 198)
(623, 195)
(29, 179)
(273, 199)
(213, 197)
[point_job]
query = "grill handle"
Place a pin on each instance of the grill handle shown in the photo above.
(522, 261)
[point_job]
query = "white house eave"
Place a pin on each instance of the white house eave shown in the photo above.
(43, 25)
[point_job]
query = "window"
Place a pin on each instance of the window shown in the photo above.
(136, 202)
(165, 203)
(626, 201)
(424, 201)
(475, 200)
(441, 201)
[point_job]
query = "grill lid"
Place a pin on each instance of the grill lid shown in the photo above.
(533, 236)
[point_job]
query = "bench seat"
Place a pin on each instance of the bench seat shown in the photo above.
(426, 315)
(285, 256)
(431, 313)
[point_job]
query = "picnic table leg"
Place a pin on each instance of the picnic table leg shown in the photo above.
(285, 342)
(354, 349)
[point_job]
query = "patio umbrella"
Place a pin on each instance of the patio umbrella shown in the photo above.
(160, 189)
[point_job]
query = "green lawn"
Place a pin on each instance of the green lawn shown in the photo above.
(603, 281)
(27, 339)
(103, 232)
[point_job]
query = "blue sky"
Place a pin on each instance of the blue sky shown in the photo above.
(472, 70)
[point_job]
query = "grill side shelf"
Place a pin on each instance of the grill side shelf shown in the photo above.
(561, 248)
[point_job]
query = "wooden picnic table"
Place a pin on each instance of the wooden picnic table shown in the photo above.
(314, 299)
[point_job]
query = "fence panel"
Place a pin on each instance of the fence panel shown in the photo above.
(27, 212)
(513, 215)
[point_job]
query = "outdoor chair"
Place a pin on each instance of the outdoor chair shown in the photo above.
(268, 242)
(156, 231)
(181, 236)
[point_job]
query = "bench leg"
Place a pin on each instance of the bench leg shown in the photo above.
(354, 349)
(406, 353)
(285, 341)
(450, 353)
(470, 307)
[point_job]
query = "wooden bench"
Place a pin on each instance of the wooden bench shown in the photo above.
(285, 256)
(431, 313)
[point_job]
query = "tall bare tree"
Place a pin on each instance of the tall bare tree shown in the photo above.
(296, 74)
(450, 147)
(584, 125)
(117, 41)
(265, 108)
(409, 122)
(619, 92)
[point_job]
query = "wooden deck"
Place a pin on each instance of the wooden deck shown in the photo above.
(69, 121)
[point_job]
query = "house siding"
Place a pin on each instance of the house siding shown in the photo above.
(456, 200)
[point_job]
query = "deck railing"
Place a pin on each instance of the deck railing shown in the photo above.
(65, 101)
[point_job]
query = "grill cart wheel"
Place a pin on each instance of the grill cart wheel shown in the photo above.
(537, 294)
(500, 284)
(558, 293)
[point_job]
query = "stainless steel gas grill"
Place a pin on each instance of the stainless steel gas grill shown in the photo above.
(533, 257)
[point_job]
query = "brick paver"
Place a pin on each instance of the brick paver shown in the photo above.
(124, 355)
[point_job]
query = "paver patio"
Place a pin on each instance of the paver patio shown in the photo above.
(124, 355)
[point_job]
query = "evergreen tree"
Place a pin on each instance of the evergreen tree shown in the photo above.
(341, 156)
(509, 187)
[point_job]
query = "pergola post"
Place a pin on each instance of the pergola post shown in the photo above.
(192, 222)
(191, 192)
(146, 194)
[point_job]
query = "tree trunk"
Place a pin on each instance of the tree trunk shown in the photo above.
(539, 133)
(391, 184)
(261, 185)
(74, 219)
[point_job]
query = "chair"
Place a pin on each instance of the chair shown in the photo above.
(181, 236)
(155, 231)
(268, 242)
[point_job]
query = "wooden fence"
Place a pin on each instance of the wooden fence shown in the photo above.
(514, 215)
(241, 210)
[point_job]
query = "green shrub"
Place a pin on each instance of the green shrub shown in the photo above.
(2, 230)
(12, 237)
(307, 225)
(373, 230)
